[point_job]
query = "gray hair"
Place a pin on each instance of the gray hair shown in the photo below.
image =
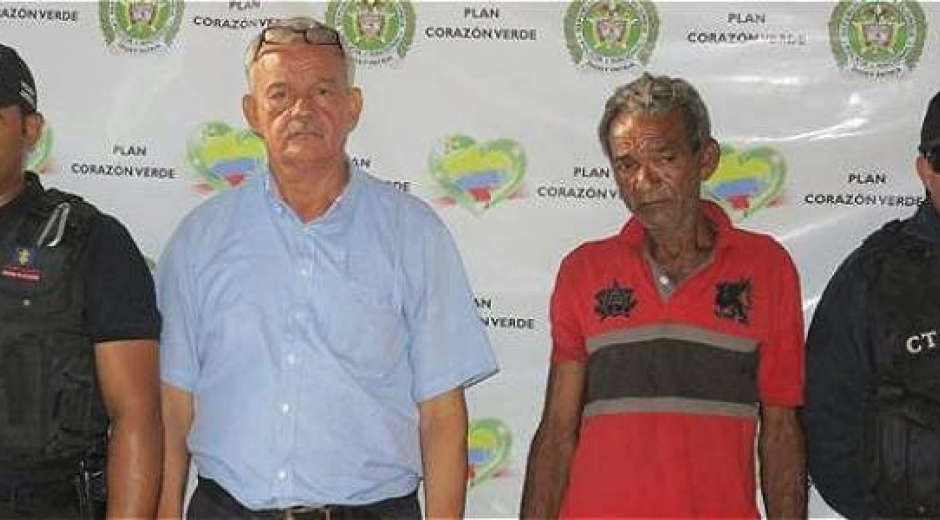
(658, 95)
(298, 23)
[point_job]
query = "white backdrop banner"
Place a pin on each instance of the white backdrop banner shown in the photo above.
(488, 111)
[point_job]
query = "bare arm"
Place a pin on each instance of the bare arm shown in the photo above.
(782, 463)
(554, 442)
(127, 375)
(444, 453)
(177, 420)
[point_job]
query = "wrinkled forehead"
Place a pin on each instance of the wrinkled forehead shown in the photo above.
(645, 133)
(296, 60)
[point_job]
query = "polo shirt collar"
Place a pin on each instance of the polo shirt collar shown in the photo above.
(634, 234)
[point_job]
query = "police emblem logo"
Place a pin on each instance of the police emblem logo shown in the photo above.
(611, 35)
(877, 39)
(614, 301)
(142, 12)
(24, 257)
(371, 22)
(733, 300)
(21, 265)
(375, 32)
(140, 25)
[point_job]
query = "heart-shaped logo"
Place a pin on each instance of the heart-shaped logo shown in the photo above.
(224, 156)
(747, 181)
(38, 159)
(478, 176)
(488, 445)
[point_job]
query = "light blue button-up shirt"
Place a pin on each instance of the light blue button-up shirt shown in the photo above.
(308, 346)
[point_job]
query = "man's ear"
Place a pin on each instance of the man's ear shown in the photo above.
(711, 156)
(354, 107)
(250, 111)
(924, 170)
(32, 128)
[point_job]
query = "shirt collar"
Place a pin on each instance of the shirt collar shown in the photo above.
(634, 234)
(336, 210)
(32, 189)
(925, 223)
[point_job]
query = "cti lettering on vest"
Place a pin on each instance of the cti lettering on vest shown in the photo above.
(922, 341)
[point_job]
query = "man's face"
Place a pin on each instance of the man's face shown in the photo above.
(301, 105)
(18, 134)
(930, 178)
(658, 173)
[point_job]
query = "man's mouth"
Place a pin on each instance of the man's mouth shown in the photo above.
(304, 133)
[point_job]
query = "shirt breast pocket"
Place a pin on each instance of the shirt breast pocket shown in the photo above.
(366, 329)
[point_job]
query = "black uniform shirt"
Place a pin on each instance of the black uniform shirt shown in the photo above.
(839, 373)
(120, 303)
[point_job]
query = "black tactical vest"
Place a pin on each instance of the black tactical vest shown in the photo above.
(51, 412)
(901, 442)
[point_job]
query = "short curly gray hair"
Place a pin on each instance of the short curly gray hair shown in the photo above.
(657, 95)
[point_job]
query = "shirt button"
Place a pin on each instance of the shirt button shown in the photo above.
(285, 407)
(304, 272)
(282, 474)
(291, 359)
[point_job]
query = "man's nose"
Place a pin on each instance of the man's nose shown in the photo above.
(645, 177)
(303, 104)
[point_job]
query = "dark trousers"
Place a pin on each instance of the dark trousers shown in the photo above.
(211, 501)
(53, 499)
(10, 509)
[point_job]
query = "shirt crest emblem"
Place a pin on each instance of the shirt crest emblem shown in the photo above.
(614, 301)
(733, 300)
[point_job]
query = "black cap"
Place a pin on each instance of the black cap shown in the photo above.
(16, 82)
(930, 130)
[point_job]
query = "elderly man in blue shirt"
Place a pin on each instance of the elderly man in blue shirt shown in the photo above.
(319, 329)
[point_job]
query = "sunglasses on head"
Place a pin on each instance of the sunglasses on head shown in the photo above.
(313, 33)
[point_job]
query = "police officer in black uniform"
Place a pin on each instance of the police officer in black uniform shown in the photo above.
(872, 413)
(79, 393)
